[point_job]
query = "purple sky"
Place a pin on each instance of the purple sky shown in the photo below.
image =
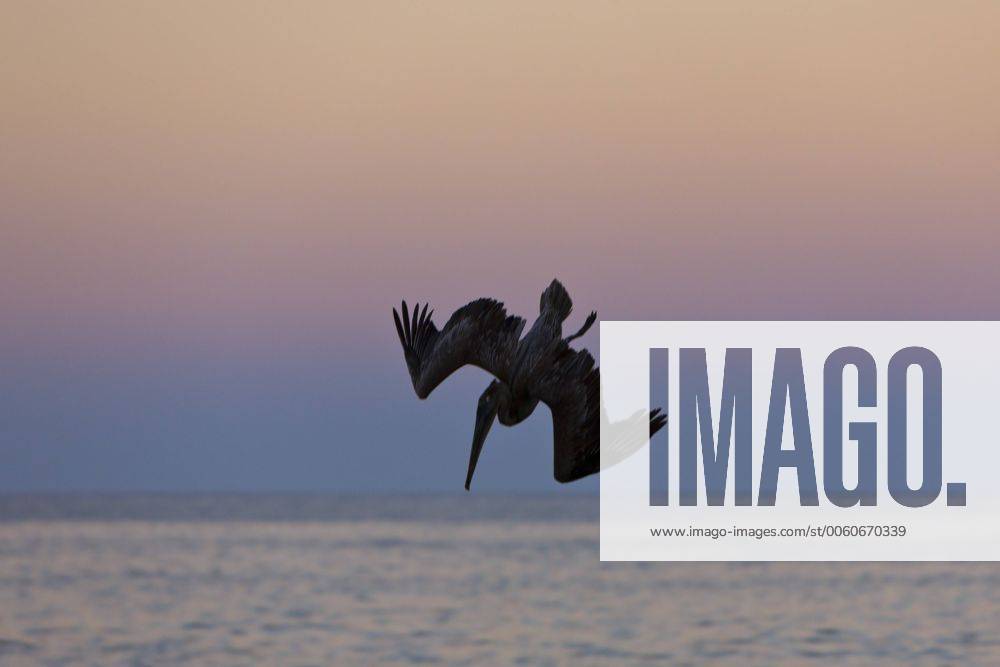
(208, 210)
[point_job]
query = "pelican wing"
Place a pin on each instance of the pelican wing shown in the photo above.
(571, 387)
(479, 333)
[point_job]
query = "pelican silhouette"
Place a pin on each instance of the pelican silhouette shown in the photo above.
(541, 366)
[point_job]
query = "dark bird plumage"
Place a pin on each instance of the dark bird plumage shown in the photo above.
(541, 366)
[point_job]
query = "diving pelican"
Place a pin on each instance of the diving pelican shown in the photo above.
(541, 366)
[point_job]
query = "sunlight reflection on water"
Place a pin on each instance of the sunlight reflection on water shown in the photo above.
(496, 591)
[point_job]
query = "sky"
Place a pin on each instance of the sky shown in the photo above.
(208, 210)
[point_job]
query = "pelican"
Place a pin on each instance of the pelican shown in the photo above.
(540, 367)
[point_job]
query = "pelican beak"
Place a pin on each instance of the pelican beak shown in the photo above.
(485, 414)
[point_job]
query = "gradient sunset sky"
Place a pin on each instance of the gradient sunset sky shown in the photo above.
(208, 209)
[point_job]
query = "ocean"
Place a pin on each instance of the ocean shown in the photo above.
(231, 579)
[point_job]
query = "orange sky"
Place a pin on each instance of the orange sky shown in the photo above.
(227, 174)
(208, 208)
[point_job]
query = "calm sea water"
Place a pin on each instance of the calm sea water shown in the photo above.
(326, 580)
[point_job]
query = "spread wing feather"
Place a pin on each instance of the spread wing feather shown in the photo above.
(479, 333)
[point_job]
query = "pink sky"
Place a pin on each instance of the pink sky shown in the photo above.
(238, 176)
(208, 209)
